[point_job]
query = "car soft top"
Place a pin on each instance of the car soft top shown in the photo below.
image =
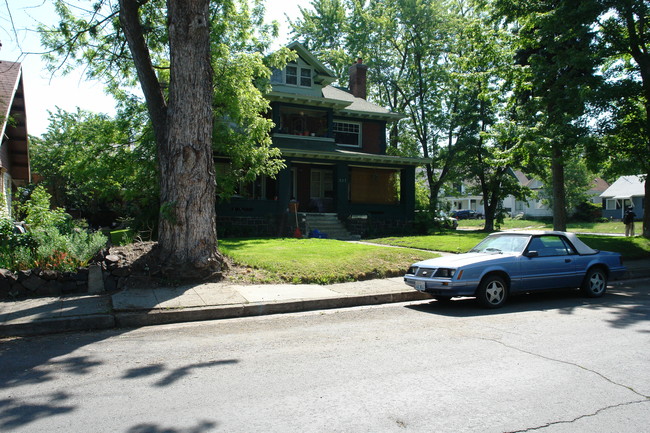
(582, 248)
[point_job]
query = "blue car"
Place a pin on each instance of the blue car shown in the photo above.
(513, 262)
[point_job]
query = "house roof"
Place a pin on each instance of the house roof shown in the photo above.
(325, 75)
(14, 151)
(598, 185)
(626, 187)
(340, 100)
(359, 107)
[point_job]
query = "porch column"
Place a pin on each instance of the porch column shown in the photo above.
(407, 188)
(342, 181)
(284, 187)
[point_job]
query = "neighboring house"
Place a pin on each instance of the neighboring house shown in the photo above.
(333, 142)
(533, 207)
(14, 148)
(625, 191)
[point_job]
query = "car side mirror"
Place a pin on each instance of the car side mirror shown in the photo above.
(531, 254)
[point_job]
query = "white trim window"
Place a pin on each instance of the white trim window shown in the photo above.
(611, 204)
(347, 133)
(293, 75)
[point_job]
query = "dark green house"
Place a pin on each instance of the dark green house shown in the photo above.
(337, 172)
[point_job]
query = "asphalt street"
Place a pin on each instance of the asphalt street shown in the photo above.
(552, 362)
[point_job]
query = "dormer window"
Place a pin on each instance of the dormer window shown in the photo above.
(293, 75)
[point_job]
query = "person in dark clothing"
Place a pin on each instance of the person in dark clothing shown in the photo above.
(628, 220)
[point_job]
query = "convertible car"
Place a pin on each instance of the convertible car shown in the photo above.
(510, 262)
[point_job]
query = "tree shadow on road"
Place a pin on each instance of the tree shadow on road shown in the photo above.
(35, 361)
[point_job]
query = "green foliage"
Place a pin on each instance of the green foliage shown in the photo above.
(588, 212)
(51, 241)
(577, 181)
(100, 166)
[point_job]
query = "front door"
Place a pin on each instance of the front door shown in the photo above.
(321, 190)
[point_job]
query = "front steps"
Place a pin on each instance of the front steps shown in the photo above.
(326, 223)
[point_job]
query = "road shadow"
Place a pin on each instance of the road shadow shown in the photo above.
(629, 305)
(201, 427)
(174, 374)
(34, 361)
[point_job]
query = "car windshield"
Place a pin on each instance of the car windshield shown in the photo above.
(500, 244)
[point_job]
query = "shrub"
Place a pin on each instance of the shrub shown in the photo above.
(588, 212)
(51, 242)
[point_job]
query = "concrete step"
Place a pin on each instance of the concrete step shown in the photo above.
(328, 224)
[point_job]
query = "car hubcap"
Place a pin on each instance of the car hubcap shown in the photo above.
(494, 292)
(597, 283)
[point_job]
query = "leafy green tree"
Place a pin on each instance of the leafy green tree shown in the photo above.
(577, 181)
(96, 165)
(482, 63)
(176, 52)
(555, 46)
(624, 104)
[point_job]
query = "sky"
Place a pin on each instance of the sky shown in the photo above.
(44, 91)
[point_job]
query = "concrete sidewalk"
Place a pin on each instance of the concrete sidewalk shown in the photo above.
(142, 307)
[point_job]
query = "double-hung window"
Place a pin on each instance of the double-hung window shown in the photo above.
(293, 75)
(347, 133)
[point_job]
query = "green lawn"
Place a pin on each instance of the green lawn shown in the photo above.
(579, 227)
(320, 261)
(327, 261)
(462, 241)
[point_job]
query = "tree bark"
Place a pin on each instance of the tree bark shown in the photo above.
(559, 202)
(187, 228)
(151, 88)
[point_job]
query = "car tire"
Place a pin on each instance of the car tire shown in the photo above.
(492, 292)
(595, 283)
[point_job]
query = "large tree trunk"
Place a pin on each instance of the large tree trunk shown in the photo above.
(559, 201)
(187, 228)
(646, 209)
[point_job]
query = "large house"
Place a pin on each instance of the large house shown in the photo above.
(14, 150)
(625, 191)
(333, 142)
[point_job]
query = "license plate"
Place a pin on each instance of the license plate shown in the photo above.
(420, 285)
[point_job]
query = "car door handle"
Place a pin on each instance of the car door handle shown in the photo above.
(567, 260)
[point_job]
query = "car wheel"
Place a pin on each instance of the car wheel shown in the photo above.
(595, 283)
(443, 299)
(492, 292)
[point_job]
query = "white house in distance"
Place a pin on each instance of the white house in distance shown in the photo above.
(625, 191)
(14, 150)
(534, 207)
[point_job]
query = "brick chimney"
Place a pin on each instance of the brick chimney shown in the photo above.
(358, 72)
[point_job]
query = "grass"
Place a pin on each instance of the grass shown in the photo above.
(463, 241)
(616, 227)
(317, 261)
(450, 241)
(327, 261)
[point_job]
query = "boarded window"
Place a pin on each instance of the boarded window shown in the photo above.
(373, 186)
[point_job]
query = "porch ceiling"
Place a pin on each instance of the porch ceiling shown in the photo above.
(357, 157)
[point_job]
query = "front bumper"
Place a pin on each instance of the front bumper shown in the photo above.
(441, 286)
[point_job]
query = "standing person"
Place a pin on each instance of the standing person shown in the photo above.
(628, 220)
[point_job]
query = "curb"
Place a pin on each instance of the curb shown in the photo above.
(168, 316)
(93, 322)
(141, 318)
